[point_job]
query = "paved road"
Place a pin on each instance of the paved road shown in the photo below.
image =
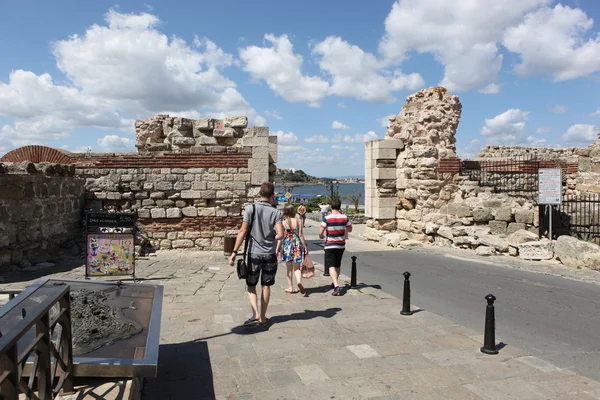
(555, 319)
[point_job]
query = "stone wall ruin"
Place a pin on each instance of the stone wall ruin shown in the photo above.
(415, 193)
(187, 183)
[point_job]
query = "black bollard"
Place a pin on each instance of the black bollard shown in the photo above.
(489, 336)
(406, 296)
(353, 274)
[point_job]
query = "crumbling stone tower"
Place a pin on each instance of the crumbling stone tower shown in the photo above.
(403, 182)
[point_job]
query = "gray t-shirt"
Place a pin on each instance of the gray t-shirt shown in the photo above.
(263, 232)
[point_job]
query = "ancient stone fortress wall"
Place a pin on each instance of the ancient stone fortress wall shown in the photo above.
(40, 211)
(187, 183)
(415, 193)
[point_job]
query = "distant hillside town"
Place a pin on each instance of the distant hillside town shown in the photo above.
(293, 175)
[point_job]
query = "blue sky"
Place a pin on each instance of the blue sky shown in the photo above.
(322, 75)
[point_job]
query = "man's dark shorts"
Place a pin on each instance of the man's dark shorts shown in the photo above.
(263, 267)
(333, 258)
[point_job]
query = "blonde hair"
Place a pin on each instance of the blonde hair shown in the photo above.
(289, 211)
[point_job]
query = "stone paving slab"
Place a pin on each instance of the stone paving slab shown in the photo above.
(355, 346)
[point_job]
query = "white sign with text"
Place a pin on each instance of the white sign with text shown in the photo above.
(550, 186)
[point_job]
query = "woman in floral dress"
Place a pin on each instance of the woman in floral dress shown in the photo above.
(292, 248)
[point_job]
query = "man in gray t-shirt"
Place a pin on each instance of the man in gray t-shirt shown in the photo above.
(266, 231)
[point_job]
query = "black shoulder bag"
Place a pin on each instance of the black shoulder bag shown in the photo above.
(243, 267)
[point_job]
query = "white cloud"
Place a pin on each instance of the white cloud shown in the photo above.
(383, 121)
(287, 142)
(317, 139)
(553, 41)
(339, 125)
(462, 35)
(359, 74)
(491, 88)
(580, 135)
(117, 144)
(356, 138)
(339, 147)
(543, 129)
(595, 113)
(506, 128)
(273, 114)
(559, 109)
(341, 105)
(471, 149)
(280, 68)
(117, 72)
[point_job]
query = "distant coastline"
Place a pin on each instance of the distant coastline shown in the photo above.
(279, 183)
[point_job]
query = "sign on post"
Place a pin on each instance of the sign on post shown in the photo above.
(110, 244)
(550, 186)
(550, 191)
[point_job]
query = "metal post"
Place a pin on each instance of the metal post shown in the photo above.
(550, 223)
(489, 336)
(353, 274)
(406, 296)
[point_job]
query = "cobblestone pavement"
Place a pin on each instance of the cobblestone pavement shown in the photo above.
(355, 346)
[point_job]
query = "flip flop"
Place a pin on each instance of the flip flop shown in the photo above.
(301, 287)
(250, 321)
(289, 291)
(267, 322)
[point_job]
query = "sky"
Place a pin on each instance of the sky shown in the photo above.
(323, 76)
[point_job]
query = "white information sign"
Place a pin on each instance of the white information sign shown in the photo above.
(550, 186)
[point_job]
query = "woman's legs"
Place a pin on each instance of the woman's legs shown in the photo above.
(298, 272)
(289, 273)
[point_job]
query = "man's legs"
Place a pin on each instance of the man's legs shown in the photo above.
(253, 300)
(266, 296)
(335, 274)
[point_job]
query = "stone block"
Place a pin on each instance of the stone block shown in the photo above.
(496, 242)
(113, 196)
(143, 213)
(522, 236)
(255, 142)
(577, 253)
(387, 144)
(388, 154)
(224, 133)
(158, 213)
(224, 194)
(241, 177)
(515, 226)
(258, 178)
(258, 165)
(484, 251)
(165, 244)
(383, 202)
(235, 122)
(182, 244)
(393, 239)
(492, 203)
(260, 152)
(497, 227)
(414, 215)
(205, 124)
(540, 250)
(460, 210)
(504, 214)
(182, 185)
(171, 235)
(445, 232)
(384, 212)
(163, 185)
(206, 141)
(174, 212)
(384, 173)
(525, 217)
(165, 203)
(183, 141)
(482, 215)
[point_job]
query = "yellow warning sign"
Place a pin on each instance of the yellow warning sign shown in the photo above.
(288, 195)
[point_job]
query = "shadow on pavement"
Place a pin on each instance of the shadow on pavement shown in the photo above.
(178, 363)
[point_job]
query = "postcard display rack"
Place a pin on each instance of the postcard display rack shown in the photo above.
(110, 244)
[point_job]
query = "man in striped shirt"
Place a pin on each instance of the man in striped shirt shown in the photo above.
(335, 226)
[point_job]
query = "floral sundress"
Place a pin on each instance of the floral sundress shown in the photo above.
(292, 249)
